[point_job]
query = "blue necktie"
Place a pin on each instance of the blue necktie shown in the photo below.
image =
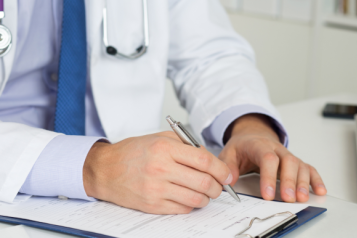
(70, 106)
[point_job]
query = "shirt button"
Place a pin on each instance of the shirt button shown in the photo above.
(54, 77)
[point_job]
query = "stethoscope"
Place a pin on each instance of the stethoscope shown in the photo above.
(6, 37)
(140, 51)
(5, 33)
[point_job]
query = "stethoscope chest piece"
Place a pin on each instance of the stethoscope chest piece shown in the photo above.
(5, 40)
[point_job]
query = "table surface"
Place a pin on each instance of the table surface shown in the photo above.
(327, 144)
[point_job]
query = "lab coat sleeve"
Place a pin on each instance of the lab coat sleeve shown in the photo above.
(214, 134)
(20, 146)
(212, 67)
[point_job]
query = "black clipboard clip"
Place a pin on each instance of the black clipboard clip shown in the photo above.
(292, 219)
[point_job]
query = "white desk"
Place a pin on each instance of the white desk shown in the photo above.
(327, 144)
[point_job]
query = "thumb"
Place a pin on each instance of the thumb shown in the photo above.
(234, 170)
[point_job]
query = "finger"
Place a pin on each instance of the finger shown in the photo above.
(288, 174)
(269, 164)
(229, 156)
(317, 184)
(185, 196)
(166, 207)
(204, 161)
(195, 180)
(303, 183)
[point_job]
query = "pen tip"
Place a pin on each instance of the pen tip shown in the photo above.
(231, 191)
(236, 197)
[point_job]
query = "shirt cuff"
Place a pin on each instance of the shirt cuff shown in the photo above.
(213, 135)
(59, 168)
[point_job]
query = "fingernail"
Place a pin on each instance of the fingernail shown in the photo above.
(270, 191)
(303, 190)
(321, 186)
(290, 192)
(229, 179)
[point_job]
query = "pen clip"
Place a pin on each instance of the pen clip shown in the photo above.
(182, 133)
(191, 139)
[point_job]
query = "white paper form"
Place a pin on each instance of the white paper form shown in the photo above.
(223, 217)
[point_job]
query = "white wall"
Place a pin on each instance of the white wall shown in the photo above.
(282, 50)
(285, 54)
(172, 107)
(337, 62)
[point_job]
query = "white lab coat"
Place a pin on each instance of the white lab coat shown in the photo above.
(191, 42)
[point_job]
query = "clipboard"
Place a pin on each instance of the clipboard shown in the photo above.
(281, 229)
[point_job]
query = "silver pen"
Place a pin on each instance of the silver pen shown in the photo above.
(188, 139)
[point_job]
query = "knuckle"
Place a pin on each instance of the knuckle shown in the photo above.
(196, 199)
(159, 145)
(313, 169)
(151, 190)
(205, 161)
(303, 166)
(280, 146)
(291, 158)
(167, 133)
(155, 169)
(206, 183)
(271, 157)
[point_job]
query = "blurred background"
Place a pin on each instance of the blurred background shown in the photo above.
(304, 48)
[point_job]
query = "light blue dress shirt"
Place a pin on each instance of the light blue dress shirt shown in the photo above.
(30, 97)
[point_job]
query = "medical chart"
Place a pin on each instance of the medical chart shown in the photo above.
(223, 217)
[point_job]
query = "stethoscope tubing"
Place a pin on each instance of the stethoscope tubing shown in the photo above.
(111, 50)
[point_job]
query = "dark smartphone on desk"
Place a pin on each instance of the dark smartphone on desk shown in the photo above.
(341, 111)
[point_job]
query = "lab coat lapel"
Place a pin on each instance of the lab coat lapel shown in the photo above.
(94, 16)
(10, 21)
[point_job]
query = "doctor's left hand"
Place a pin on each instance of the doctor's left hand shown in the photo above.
(253, 146)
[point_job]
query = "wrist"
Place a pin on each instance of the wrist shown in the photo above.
(251, 124)
(91, 164)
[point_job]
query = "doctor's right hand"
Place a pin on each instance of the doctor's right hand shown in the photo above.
(155, 174)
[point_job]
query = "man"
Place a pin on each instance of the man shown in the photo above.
(57, 117)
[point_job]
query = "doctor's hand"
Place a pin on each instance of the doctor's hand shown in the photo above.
(253, 146)
(155, 174)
